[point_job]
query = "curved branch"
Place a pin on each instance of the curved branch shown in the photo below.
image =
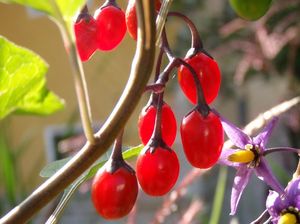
(140, 73)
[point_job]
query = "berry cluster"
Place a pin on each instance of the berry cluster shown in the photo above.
(106, 29)
(157, 166)
(115, 187)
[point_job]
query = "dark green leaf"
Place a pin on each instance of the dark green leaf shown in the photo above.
(22, 86)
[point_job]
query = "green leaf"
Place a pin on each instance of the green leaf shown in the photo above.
(55, 8)
(53, 167)
(128, 154)
(8, 170)
(22, 85)
(69, 192)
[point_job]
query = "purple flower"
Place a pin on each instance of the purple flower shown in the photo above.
(246, 158)
(285, 208)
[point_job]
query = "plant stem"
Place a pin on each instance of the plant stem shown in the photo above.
(78, 75)
(280, 149)
(55, 216)
(140, 73)
(161, 19)
(219, 196)
(117, 149)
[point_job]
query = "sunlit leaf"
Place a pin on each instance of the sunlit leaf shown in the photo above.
(55, 8)
(22, 82)
(53, 167)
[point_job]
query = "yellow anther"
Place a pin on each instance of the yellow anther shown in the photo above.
(242, 156)
(288, 218)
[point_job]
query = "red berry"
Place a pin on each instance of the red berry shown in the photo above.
(157, 172)
(114, 194)
(131, 18)
(208, 73)
(147, 121)
(202, 138)
(85, 33)
(111, 27)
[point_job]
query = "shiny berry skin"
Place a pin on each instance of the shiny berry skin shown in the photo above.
(111, 27)
(202, 139)
(131, 18)
(147, 121)
(157, 172)
(114, 194)
(208, 73)
(86, 37)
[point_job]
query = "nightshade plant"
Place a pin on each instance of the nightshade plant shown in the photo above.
(114, 189)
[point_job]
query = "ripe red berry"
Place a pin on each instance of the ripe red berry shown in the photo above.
(208, 73)
(85, 30)
(114, 194)
(131, 18)
(147, 121)
(202, 138)
(111, 27)
(157, 171)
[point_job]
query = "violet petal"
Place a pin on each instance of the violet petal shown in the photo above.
(263, 137)
(264, 173)
(293, 191)
(223, 160)
(275, 205)
(236, 135)
(240, 182)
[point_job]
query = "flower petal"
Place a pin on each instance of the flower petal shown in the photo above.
(236, 135)
(293, 191)
(275, 204)
(223, 160)
(240, 182)
(264, 173)
(263, 137)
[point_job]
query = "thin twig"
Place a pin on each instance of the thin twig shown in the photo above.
(139, 76)
(161, 19)
(78, 75)
(195, 207)
(264, 216)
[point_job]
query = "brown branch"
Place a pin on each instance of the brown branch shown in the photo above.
(140, 73)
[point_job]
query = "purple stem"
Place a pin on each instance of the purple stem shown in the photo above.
(197, 44)
(264, 216)
(280, 149)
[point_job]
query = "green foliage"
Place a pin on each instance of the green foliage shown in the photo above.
(53, 167)
(22, 86)
(128, 154)
(7, 168)
(54, 8)
(250, 9)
